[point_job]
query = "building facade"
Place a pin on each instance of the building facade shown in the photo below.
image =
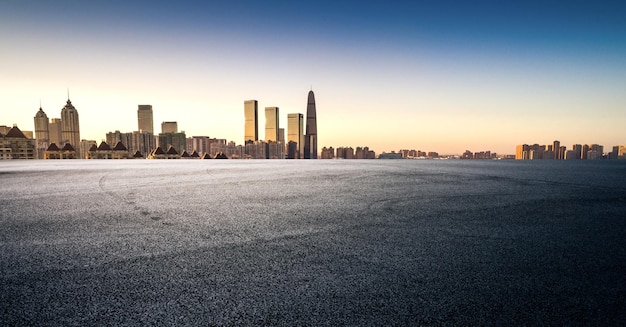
(169, 127)
(54, 130)
(15, 145)
(145, 122)
(251, 127)
(310, 138)
(271, 124)
(295, 134)
(42, 133)
(70, 127)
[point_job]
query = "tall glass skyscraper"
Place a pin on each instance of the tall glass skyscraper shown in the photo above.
(145, 122)
(295, 133)
(271, 124)
(310, 139)
(251, 128)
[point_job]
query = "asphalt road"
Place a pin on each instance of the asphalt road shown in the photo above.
(338, 243)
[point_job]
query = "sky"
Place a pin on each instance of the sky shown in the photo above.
(441, 76)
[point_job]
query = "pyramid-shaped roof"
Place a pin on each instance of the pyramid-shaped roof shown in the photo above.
(120, 147)
(158, 151)
(53, 147)
(221, 155)
(185, 154)
(195, 154)
(68, 147)
(171, 150)
(137, 154)
(16, 133)
(93, 148)
(104, 147)
(206, 155)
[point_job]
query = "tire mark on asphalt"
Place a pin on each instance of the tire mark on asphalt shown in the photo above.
(129, 200)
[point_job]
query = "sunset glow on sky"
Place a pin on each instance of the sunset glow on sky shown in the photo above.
(434, 75)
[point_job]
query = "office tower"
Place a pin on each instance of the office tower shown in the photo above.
(169, 127)
(70, 129)
(295, 134)
(54, 130)
(145, 122)
(310, 139)
(177, 141)
(42, 134)
(556, 148)
(271, 124)
(251, 128)
(578, 151)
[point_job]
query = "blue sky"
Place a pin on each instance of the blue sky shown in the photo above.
(430, 75)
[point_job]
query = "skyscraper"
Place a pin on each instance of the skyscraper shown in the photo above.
(145, 122)
(42, 133)
(54, 130)
(70, 129)
(271, 124)
(310, 139)
(251, 128)
(169, 127)
(295, 133)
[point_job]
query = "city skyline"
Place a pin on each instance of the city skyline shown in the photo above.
(443, 77)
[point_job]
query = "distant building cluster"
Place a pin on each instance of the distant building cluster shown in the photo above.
(58, 131)
(59, 138)
(556, 151)
(348, 153)
(409, 154)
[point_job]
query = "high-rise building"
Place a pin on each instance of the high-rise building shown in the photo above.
(54, 130)
(251, 128)
(556, 147)
(145, 122)
(178, 141)
(169, 127)
(271, 124)
(310, 139)
(295, 133)
(42, 133)
(578, 151)
(70, 129)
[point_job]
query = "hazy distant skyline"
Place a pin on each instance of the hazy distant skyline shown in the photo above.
(434, 76)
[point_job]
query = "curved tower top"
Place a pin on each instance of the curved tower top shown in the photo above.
(310, 139)
(41, 114)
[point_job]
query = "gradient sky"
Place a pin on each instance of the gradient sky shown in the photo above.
(429, 75)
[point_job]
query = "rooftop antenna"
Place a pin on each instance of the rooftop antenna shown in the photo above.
(68, 93)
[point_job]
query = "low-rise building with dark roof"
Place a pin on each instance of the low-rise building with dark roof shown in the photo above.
(15, 145)
(158, 153)
(104, 151)
(53, 152)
